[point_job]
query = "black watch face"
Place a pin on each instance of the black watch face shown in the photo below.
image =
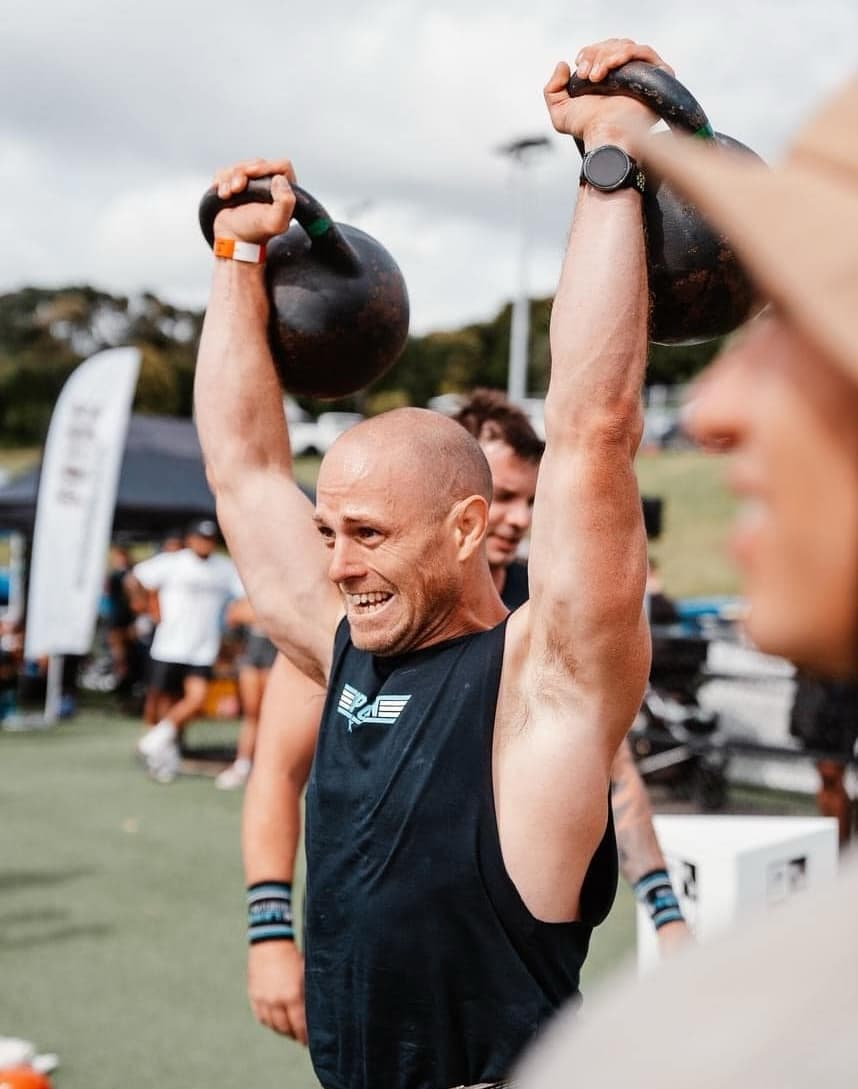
(607, 167)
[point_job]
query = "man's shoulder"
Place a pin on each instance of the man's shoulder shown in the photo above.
(159, 562)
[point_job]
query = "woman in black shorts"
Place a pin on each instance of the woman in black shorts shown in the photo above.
(254, 665)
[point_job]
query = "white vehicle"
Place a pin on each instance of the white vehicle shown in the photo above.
(315, 437)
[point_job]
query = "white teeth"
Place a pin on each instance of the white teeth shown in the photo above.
(374, 598)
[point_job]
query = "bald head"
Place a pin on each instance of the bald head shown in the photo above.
(416, 452)
(402, 504)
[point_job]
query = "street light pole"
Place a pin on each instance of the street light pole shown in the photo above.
(521, 152)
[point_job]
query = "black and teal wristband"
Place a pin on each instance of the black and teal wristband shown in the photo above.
(655, 892)
(269, 912)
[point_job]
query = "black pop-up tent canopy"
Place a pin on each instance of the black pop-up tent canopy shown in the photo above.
(162, 482)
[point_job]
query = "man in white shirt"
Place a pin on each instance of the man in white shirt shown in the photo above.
(193, 586)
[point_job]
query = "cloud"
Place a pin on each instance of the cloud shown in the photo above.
(118, 114)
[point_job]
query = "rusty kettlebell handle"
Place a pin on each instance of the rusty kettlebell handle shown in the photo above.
(698, 286)
(654, 87)
(338, 317)
(322, 231)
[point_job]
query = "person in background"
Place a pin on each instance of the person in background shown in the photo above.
(824, 718)
(254, 666)
(120, 618)
(193, 587)
(173, 540)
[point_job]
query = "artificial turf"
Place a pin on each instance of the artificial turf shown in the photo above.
(122, 921)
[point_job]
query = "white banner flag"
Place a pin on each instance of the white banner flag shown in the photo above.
(77, 497)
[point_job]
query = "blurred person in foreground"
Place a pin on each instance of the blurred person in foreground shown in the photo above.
(459, 841)
(289, 722)
(772, 1005)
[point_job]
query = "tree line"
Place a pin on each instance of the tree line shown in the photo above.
(45, 333)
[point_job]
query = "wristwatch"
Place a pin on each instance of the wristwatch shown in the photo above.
(609, 168)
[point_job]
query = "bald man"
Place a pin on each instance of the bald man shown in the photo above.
(459, 841)
(288, 726)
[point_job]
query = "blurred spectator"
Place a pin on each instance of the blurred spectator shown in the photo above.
(120, 617)
(11, 658)
(824, 718)
(192, 585)
(254, 666)
(173, 541)
(660, 608)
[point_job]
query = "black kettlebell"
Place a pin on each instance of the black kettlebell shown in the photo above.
(698, 287)
(339, 305)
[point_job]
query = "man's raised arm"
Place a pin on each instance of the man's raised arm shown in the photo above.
(266, 519)
(587, 617)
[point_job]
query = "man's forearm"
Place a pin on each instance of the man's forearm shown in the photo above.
(237, 396)
(642, 863)
(271, 825)
(285, 743)
(600, 313)
(637, 842)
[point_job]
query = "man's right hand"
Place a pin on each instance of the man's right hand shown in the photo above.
(255, 222)
(275, 987)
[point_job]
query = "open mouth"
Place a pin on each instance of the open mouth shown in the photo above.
(366, 604)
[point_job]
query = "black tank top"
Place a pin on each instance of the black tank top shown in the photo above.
(424, 968)
(516, 589)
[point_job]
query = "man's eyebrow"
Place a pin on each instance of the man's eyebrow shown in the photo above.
(350, 518)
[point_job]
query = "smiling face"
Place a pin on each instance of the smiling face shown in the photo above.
(511, 510)
(789, 419)
(403, 535)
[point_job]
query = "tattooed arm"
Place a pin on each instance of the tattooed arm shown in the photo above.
(637, 842)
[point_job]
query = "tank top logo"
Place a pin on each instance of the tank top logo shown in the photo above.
(384, 710)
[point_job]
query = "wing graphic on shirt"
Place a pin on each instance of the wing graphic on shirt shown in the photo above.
(384, 710)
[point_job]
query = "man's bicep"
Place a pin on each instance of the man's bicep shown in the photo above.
(587, 565)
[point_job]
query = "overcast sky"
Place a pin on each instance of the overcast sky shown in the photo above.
(114, 116)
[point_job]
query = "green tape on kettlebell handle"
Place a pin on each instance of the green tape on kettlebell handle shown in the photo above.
(318, 227)
(705, 132)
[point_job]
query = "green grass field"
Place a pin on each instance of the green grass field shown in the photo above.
(698, 510)
(122, 918)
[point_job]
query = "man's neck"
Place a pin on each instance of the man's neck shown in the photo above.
(499, 576)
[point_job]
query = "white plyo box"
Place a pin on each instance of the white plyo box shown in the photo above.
(725, 867)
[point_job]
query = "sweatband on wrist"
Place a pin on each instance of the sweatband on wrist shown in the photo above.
(655, 892)
(233, 249)
(269, 912)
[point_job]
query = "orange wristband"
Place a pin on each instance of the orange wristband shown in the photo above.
(234, 250)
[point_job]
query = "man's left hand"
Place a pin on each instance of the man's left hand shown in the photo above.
(596, 117)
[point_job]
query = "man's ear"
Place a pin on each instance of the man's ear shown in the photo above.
(471, 519)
